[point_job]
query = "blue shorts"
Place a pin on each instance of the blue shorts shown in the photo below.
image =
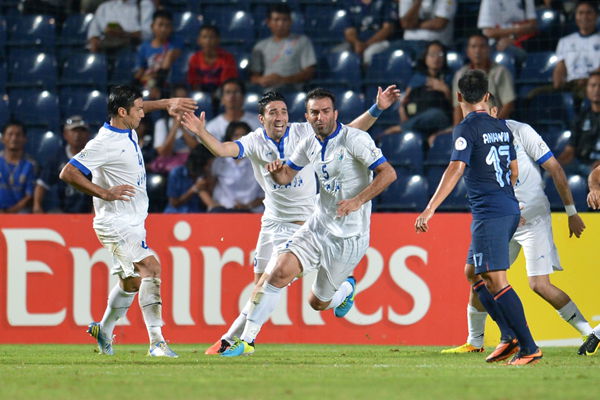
(489, 243)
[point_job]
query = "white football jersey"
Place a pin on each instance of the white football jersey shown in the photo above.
(344, 164)
(114, 158)
(532, 152)
(283, 203)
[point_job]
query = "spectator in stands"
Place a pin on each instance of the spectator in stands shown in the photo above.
(285, 60)
(509, 23)
(171, 141)
(428, 20)
(120, 24)
(189, 185)
(211, 66)
(427, 104)
(582, 153)
(373, 23)
(17, 171)
(156, 56)
(76, 134)
(499, 78)
(235, 187)
(231, 94)
(578, 53)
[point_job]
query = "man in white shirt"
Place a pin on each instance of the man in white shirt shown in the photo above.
(118, 185)
(120, 23)
(534, 236)
(288, 206)
(231, 94)
(428, 20)
(578, 54)
(336, 236)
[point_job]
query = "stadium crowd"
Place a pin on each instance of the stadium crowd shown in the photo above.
(58, 58)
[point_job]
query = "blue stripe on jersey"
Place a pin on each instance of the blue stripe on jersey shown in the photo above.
(381, 160)
(80, 166)
(293, 166)
(327, 139)
(241, 147)
(133, 141)
(545, 158)
(112, 128)
(280, 145)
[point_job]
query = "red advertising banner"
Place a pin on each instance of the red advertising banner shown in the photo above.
(54, 280)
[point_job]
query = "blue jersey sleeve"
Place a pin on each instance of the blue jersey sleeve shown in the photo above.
(462, 144)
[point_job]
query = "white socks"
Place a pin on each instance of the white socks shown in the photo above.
(151, 306)
(236, 328)
(119, 302)
(596, 331)
(573, 316)
(340, 294)
(264, 304)
(476, 321)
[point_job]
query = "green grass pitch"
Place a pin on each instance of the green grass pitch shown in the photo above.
(281, 372)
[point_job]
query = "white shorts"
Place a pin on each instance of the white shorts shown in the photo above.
(333, 257)
(272, 235)
(127, 248)
(535, 237)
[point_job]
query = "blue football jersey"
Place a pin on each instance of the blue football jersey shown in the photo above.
(485, 144)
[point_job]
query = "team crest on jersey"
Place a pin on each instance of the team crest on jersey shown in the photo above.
(460, 144)
(340, 155)
(83, 154)
(373, 152)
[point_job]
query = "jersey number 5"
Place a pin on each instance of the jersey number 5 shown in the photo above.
(493, 158)
(325, 173)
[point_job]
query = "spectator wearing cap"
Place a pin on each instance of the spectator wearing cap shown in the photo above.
(76, 134)
(17, 170)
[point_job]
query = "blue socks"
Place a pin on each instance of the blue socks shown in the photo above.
(512, 308)
(491, 306)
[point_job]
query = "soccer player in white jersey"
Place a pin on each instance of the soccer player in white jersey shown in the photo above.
(336, 236)
(534, 236)
(286, 206)
(118, 185)
(592, 342)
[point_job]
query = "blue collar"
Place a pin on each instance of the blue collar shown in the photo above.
(327, 139)
(280, 144)
(112, 128)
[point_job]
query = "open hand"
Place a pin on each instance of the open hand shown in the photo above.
(385, 98)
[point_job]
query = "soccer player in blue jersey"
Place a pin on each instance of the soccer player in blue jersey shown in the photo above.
(484, 152)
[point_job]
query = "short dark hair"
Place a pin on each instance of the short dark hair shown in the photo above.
(279, 8)
(477, 35)
(233, 126)
(14, 122)
(590, 3)
(319, 93)
(166, 14)
(268, 98)
(473, 85)
(493, 101)
(122, 96)
(209, 27)
(236, 81)
(199, 157)
(594, 73)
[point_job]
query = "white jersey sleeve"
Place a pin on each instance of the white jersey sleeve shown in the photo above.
(247, 144)
(363, 148)
(299, 158)
(534, 145)
(93, 156)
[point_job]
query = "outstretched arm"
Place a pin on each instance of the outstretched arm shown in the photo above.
(576, 225)
(175, 106)
(198, 127)
(385, 98)
(453, 173)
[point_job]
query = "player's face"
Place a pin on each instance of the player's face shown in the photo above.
(593, 89)
(434, 59)
(279, 24)
(14, 138)
(478, 50)
(162, 28)
(275, 119)
(232, 96)
(135, 114)
(76, 138)
(208, 40)
(322, 116)
(585, 18)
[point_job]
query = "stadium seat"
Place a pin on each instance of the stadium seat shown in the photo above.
(3, 76)
(296, 107)
(74, 30)
(121, 72)
(551, 107)
(32, 30)
(507, 60)
(537, 68)
(4, 110)
(454, 60)
(32, 69)
(434, 173)
(85, 69)
(235, 25)
(186, 26)
(90, 104)
(2, 36)
(326, 23)
(204, 102)
(156, 186)
(439, 152)
(390, 66)
(404, 194)
(349, 104)
(404, 150)
(44, 146)
(550, 25)
(251, 102)
(340, 69)
(579, 188)
(35, 108)
(178, 74)
(457, 200)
